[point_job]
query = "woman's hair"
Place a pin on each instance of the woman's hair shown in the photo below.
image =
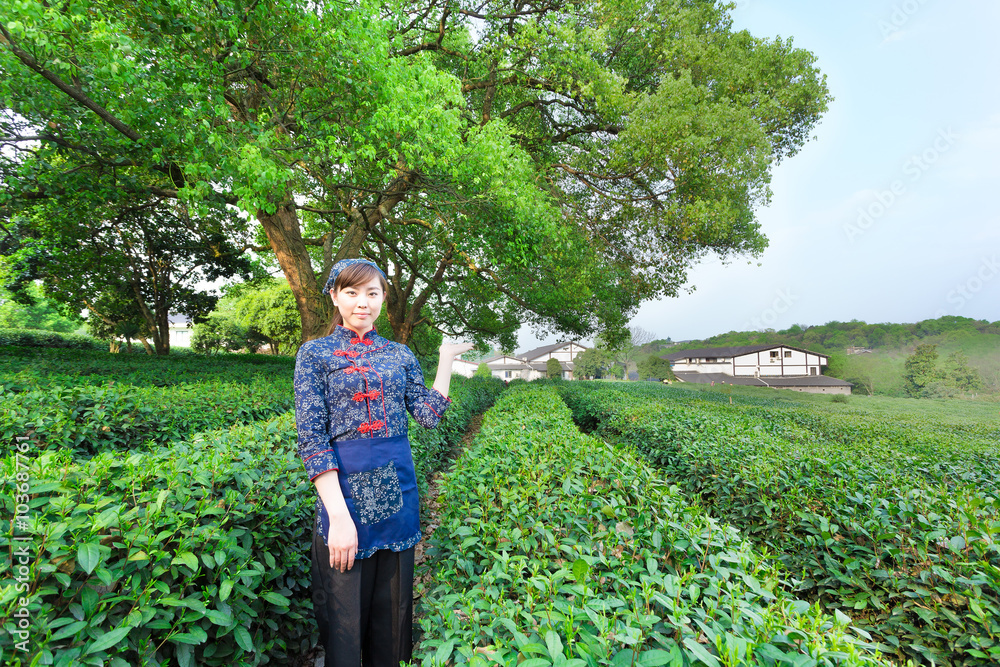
(355, 275)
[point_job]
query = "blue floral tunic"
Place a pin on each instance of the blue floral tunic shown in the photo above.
(350, 387)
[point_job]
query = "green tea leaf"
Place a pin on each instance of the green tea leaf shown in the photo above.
(88, 556)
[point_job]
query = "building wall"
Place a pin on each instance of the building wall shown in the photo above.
(722, 365)
(503, 361)
(180, 337)
(464, 368)
(563, 354)
(567, 353)
(776, 362)
(507, 374)
(511, 374)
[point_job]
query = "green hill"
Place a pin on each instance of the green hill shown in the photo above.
(881, 370)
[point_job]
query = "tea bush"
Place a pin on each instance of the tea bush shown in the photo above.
(197, 552)
(894, 519)
(26, 368)
(39, 338)
(470, 397)
(192, 554)
(557, 549)
(91, 419)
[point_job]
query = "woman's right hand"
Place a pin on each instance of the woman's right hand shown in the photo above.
(343, 542)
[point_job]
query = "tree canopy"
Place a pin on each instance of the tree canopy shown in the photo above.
(36, 311)
(129, 260)
(555, 163)
(654, 367)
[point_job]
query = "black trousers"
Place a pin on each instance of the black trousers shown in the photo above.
(365, 615)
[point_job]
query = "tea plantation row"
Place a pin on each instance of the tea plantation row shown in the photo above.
(191, 552)
(88, 401)
(27, 368)
(894, 520)
(556, 549)
(90, 419)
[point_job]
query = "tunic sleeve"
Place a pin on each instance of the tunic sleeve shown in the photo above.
(311, 420)
(427, 405)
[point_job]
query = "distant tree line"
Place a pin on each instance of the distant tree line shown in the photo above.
(837, 336)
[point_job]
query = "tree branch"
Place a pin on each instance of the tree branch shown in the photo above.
(75, 93)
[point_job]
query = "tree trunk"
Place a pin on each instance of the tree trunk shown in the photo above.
(159, 345)
(145, 345)
(402, 331)
(395, 310)
(404, 310)
(285, 236)
(163, 328)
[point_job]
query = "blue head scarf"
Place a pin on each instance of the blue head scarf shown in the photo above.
(343, 264)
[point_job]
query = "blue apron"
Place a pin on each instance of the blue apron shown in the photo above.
(380, 488)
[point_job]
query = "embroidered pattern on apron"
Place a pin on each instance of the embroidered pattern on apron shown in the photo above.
(376, 493)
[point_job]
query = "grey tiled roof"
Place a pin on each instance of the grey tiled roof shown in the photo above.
(545, 349)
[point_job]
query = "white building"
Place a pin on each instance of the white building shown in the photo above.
(533, 364)
(508, 368)
(464, 368)
(180, 330)
(776, 366)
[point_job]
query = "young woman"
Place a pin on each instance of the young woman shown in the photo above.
(353, 389)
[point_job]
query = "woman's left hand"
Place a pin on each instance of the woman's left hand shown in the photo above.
(452, 350)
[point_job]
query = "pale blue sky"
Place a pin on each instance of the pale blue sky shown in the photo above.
(912, 139)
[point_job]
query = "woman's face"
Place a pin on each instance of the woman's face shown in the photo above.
(360, 305)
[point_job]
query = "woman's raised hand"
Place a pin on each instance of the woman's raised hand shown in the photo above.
(452, 350)
(449, 352)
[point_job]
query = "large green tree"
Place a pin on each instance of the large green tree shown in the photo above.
(555, 163)
(921, 369)
(655, 367)
(960, 374)
(130, 259)
(594, 362)
(36, 311)
(269, 310)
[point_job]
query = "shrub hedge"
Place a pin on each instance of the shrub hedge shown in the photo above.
(894, 520)
(25, 368)
(40, 338)
(431, 447)
(90, 419)
(191, 553)
(169, 556)
(556, 549)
